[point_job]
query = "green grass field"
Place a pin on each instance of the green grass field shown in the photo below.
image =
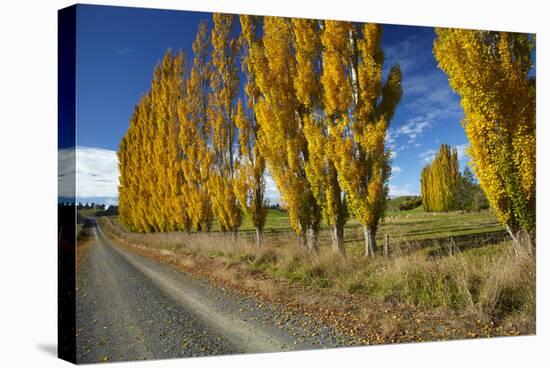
(414, 225)
(409, 225)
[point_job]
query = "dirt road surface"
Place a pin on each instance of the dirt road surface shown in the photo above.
(130, 307)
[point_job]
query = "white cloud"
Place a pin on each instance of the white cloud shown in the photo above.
(96, 172)
(424, 92)
(124, 51)
(395, 171)
(390, 137)
(461, 151)
(406, 54)
(391, 142)
(271, 191)
(413, 129)
(411, 55)
(427, 156)
(427, 94)
(431, 89)
(398, 190)
(110, 201)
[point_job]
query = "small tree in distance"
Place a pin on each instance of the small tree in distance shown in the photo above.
(439, 180)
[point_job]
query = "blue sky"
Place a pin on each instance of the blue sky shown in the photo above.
(118, 47)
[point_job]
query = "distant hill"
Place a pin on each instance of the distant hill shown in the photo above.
(393, 203)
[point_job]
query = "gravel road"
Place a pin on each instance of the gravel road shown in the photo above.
(130, 307)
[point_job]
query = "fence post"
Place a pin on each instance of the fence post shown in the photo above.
(386, 241)
(451, 246)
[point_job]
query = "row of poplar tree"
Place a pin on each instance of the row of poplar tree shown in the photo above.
(314, 110)
(445, 188)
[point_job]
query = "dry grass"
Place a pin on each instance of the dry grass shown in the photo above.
(84, 241)
(485, 282)
(81, 249)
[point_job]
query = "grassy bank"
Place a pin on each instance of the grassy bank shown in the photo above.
(477, 290)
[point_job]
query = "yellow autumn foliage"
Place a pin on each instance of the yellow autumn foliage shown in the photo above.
(491, 73)
(314, 112)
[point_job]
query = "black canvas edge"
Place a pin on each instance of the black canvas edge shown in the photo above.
(66, 251)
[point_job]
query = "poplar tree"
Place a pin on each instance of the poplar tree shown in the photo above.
(166, 95)
(134, 154)
(159, 128)
(149, 155)
(320, 170)
(249, 184)
(361, 108)
(143, 148)
(426, 185)
(175, 90)
(281, 140)
(197, 158)
(439, 181)
(127, 197)
(225, 84)
(491, 73)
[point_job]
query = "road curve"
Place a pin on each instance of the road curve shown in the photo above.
(130, 307)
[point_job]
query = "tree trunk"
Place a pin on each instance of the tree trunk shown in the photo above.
(515, 239)
(337, 233)
(234, 233)
(258, 237)
(370, 241)
(312, 240)
(522, 238)
(303, 239)
(530, 241)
